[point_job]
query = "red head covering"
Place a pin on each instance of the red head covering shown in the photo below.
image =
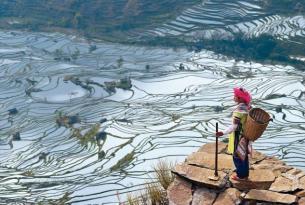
(242, 94)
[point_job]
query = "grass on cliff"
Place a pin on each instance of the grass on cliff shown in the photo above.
(154, 191)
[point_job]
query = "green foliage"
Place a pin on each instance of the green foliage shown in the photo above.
(262, 48)
(175, 117)
(274, 96)
(65, 120)
(75, 54)
(58, 54)
(126, 160)
(147, 67)
(124, 84)
(120, 62)
(94, 17)
(89, 136)
(29, 173)
(92, 48)
(284, 6)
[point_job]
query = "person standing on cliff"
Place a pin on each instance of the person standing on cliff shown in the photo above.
(236, 139)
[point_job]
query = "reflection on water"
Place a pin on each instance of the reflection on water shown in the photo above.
(222, 19)
(169, 112)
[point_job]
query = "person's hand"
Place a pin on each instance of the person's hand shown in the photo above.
(219, 134)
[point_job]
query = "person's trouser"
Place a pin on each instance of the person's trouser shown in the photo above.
(242, 167)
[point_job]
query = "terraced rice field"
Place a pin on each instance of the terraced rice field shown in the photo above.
(171, 108)
(222, 19)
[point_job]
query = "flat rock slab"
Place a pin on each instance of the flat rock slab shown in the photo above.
(258, 179)
(276, 169)
(179, 192)
(270, 196)
(210, 148)
(272, 161)
(201, 176)
(230, 197)
(257, 157)
(283, 184)
(296, 172)
(203, 196)
(207, 160)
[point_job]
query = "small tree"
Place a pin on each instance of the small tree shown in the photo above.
(58, 54)
(147, 67)
(120, 62)
(75, 54)
(92, 48)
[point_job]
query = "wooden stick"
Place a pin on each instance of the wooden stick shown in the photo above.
(216, 153)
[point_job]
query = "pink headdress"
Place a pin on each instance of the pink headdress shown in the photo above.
(242, 94)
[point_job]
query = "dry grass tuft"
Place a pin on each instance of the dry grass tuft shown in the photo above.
(155, 191)
(163, 173)
(133, 200)
(156, 194)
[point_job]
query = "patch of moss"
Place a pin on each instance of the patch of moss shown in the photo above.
(124, 84)
(67, 121)
(89, 136)
(29, 173)
(127, 159)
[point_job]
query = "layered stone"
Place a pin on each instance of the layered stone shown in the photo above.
(257, 157)
(179, 192)
(207, 160)
(229, 197)
(203, 196)
(270, 196)
(270, 180)
(211, 147)
(201, 176)
(258, 179)
(283, 184)
(276, 169)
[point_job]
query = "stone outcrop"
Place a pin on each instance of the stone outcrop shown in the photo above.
(203, 196)
(270, 196)
(276, 169)
(230, 196)
(258, 179)
(283, 184)
(207, 160)
(201, 176)
(270, 181)
(257, 157)
(180, 192)
(210, 148)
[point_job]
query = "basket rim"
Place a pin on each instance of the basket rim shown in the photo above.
(263, 111)
(264, 123)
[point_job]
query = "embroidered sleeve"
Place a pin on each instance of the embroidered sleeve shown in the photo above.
(236, 121)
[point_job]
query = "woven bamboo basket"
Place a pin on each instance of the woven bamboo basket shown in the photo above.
(256, 124)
